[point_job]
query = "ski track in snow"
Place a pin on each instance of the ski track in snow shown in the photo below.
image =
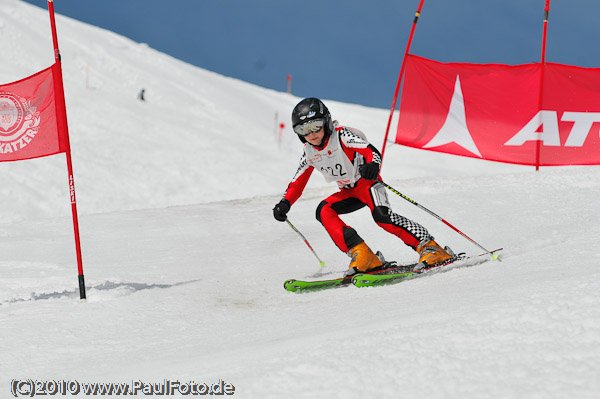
(185, 265)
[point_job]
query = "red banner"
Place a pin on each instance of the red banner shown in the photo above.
(33, 120)
(501, 112)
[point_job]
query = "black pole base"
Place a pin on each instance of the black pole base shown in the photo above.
(82, 288)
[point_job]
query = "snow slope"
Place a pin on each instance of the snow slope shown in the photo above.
(184, 263)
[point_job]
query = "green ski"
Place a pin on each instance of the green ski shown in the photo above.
(294, 285)
(373, 280)
(304, 286)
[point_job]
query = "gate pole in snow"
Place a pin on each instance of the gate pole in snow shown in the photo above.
(543, 66)
(412, 32)
(60, 90)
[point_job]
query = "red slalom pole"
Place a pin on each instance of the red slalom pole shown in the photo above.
(543, 64)
(398, 84)
(60, 100)
(546, 12)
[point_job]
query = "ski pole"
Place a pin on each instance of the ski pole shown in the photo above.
(494, 256)
(306, 241)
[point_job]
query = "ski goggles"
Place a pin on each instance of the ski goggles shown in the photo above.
(306, 128)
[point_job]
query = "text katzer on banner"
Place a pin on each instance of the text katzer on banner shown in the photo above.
(493, 112)
(32, 121)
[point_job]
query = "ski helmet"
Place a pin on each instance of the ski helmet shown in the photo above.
(311, 109)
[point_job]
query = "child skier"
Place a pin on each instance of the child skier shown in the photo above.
(343, 155)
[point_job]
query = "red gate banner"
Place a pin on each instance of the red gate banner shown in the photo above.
(32, 117)
(502, 113)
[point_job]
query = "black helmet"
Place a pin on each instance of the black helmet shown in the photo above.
(311, 109)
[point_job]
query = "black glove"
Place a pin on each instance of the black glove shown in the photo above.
(369, 171)
(281, 209)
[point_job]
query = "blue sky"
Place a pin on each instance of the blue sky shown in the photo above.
(348, 50)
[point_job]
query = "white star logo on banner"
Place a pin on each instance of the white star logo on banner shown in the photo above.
(454, 129)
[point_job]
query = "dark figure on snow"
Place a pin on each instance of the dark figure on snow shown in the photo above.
(344, 155)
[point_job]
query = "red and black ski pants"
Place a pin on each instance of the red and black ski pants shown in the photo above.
(372, 194)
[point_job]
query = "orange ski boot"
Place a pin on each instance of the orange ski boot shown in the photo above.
(430, 253)
(363, 259)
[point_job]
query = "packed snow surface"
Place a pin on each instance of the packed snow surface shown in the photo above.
(184, 263)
